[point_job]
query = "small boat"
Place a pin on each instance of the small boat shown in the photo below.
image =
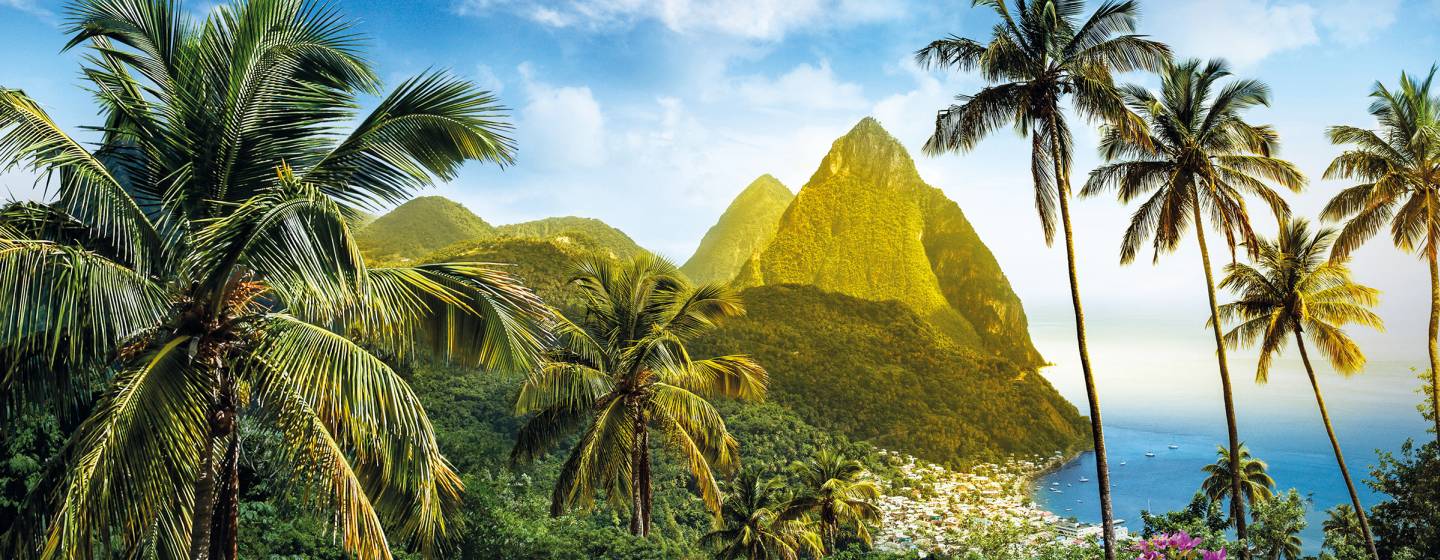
(1149, 453)
(1122, 463)
(1083, 479)
(1173, 446)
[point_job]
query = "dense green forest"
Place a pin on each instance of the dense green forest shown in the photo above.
(877, 371)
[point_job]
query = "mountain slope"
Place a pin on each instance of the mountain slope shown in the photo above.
(866, 225)
(745, 228)
(418, 227)
(877, 371)
(600, 234)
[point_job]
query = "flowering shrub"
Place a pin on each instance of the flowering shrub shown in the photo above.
(1175, 546)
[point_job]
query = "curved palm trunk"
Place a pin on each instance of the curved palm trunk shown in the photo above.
(1335, 444)
(1237, 506)
(1092, 397)
(1434, 335)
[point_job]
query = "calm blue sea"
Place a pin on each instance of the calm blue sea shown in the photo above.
(1161, 387)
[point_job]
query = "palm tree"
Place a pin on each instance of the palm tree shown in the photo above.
(755, 524)
(1398, 167)
(1255, 482)
(198, 262)
(1194, 156)
(1036, 58)
(837, 492)
(622, 369)
(1341, 519)
(1294, 290)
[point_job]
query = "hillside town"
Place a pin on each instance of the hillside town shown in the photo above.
(931, 509)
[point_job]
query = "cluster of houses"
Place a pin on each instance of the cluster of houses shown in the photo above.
(931, 509)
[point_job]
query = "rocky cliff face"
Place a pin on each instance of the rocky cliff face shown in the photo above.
(745, 228)
(866, 225)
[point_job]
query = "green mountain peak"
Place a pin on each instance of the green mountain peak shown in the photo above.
(867, 226)
(419, 226)
(745, 228)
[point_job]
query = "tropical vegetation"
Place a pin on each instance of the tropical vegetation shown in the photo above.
(622, 369)
(196, 269)
(1295, 290)
(212, 347)
(1256, 486)
(1398, 169)
(1190, 155)
(1039, 56)
(837, 491)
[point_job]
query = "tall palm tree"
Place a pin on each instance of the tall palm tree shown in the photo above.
(198, 261)
(1255, 482)
(1295, 290)
(755, 524)
(1398, 167)
(1037, 57)
(623, 369)
(837, 492)
(1195, 156)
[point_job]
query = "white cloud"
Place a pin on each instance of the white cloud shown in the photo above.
(28, 6)
(806, 85)
(560, 126)
(1243, 31)
(1354, 22)
(750, 19)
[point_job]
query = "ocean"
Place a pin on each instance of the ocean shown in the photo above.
(1160, 387)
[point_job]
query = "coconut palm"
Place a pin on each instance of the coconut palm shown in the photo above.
(198, 263)
(1294, 290)
(1398, 169)
(755, 524)
(623, 369)
(838, 493)
(1341, 519)
(1036, 57)
(1194, 157)
(1255, 482)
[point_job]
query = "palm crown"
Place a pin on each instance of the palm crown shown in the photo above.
(835, 490)
(1397, 166)
(1255, 482)
(622, 368)
(1037, 56)
(1294, 287)
(756, 525)
(198, 261)
(1195, 156)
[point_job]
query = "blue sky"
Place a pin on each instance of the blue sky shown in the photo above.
(652, 115)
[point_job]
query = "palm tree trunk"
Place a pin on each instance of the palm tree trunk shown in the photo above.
(224, 535)
(1434, 335)
(1237, 507)
(647, 493)
(1335, 444)
(636, 507)
(1092, 397)
(206, 485)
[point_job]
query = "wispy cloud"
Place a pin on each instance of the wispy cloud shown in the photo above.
(30, 7)
(751, 19)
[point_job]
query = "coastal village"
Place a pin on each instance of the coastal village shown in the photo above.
(931, 509)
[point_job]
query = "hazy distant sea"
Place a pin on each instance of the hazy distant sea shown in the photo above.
(1161, 387)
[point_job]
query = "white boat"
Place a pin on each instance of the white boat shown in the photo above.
(1122, 463)
(1083, 479)
(1149, 453)
(1173, 446)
